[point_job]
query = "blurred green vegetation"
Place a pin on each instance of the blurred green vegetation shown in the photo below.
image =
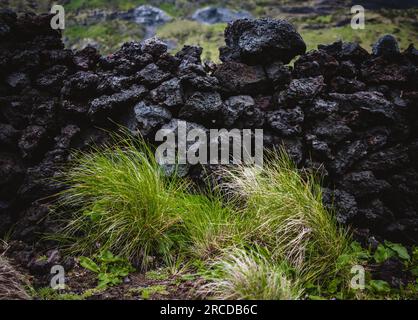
(75, 5)
(209, 37)
(108, 36)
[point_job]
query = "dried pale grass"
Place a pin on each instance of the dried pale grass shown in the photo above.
(12, 282)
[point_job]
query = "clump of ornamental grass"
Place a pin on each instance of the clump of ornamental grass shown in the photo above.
(285, 214)
(212, 224)
(248, 275)
(120, 199)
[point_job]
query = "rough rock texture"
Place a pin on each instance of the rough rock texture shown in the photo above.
(261, 40)
(350, 114)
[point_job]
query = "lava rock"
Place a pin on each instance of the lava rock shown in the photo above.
(81, 85)
(344, 85)
(278, 73)
(344, 51)
(347, 156)
(168, 94)
(18, 80)
(241, 112)
(386, 46)
(372, 106)
(107, 106)
(286, 122)
(33, 141)
(321, 108)
(301, 90)
(199, 83)
(12, 172)
(86, 59)
(315, 63)
(238, 78)
(154, 46)
(66, 137)
(362, 184)
(190, 54)
(342, 202)
(387, 160)
(168, 62)
(146, 119)
(266, 40)
(152, 75)
(202, 106)
(8, 136)
(52, 79)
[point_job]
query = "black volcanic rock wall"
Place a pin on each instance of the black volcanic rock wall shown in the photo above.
(341, 110)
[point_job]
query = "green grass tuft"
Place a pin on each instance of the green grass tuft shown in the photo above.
(123, 202)
(249, 275)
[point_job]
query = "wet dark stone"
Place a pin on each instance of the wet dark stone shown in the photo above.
(241, 112)
(372, 107)
(344, 85)
(18, 80)
(81, 85)
(152, 75)
(168, 94)
(382, 71)
(33, 142)
(321, 108)
(202, 106)
(346, 51)
(263, 40)
(332, 130)
(344, 204)
(190, 54)
(237, 78)
(154, 46)
(315, 63)
(108, 106)
(278, 73)
(12, 172)
(301, 90)
(363, 183)
(52, 79)
(86, 59)
(147, 119)
(386, 46)
(200, 83)
(8, 136)
(168, 62)
(286, 122)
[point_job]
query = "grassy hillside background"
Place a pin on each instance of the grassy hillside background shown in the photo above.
(315, 28)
